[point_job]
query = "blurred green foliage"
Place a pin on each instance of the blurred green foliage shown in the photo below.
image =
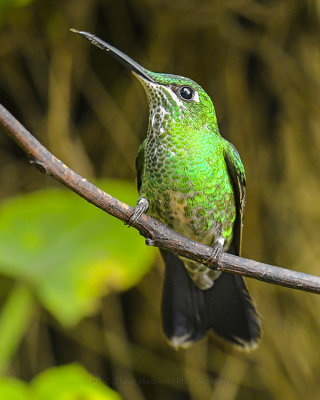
(69, 252)
(15, 318)
(259, 61)
(70, 382)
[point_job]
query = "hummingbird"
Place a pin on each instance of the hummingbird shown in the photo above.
(192, 179)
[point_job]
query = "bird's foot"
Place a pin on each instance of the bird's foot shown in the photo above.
(214, 258)
(141, 207)
(150, 242)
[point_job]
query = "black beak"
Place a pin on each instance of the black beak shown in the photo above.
(123, 58)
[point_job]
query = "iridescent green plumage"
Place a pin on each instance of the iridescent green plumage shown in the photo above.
(193, 180)
(186, 168)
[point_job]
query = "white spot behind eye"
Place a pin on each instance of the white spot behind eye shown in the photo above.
(196, 97)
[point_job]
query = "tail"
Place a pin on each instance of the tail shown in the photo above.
(189, 312)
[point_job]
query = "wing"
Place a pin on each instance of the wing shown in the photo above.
(238, 179)
(139, 164)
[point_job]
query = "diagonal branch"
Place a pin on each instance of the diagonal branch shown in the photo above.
(156, 233)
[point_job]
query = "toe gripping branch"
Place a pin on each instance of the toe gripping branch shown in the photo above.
(141, 207)
(214, 258)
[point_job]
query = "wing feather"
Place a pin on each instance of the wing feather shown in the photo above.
(238, 179)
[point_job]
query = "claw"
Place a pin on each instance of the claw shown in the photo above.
(141, 207)
(150, 242)
(213, 260)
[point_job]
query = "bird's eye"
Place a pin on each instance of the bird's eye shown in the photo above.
(186, 92)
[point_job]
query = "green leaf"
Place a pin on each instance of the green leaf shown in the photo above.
(70, 252)
(13, 389)
(71, 382)
(14, 321)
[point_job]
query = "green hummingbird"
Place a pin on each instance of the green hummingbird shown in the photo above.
(192, 179)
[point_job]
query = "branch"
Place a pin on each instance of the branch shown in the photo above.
(156, 233)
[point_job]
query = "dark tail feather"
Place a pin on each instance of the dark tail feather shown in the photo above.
(189, 312)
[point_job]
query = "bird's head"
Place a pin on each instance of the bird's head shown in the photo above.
(172, 99)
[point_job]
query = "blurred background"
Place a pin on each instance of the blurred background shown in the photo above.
(68, 292)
